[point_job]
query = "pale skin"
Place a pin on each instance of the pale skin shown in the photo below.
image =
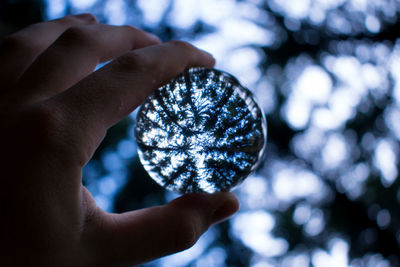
(54, 112)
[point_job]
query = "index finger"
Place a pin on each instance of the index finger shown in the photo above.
(109, 94)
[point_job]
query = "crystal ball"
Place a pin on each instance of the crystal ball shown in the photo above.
(201, 132)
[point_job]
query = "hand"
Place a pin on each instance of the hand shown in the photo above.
(54, 112)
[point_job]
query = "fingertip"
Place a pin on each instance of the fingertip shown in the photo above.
(194, 57)
(226, 208)
(202, 59)
(154, 38)
(210, 58)
(218, 206)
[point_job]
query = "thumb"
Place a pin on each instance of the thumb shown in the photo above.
(138, 236)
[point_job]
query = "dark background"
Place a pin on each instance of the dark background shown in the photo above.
(327, 74)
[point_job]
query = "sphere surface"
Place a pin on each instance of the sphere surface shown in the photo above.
(202, 132)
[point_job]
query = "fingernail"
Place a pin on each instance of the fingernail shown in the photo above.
(86, 17)
(225, 210)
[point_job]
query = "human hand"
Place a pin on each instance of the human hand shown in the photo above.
(54, 112)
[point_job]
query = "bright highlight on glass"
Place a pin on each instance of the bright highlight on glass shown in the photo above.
(202, 132)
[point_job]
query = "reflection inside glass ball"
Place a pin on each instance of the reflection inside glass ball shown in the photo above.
(201, 132)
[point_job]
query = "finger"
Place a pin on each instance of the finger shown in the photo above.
(76, 54)
(109, 94)
(20, 49)
(138, 236)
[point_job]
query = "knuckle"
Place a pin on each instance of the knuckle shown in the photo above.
(18, 42)
(134, 61)
(79, 35)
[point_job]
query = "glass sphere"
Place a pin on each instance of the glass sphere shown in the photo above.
(201, 132)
